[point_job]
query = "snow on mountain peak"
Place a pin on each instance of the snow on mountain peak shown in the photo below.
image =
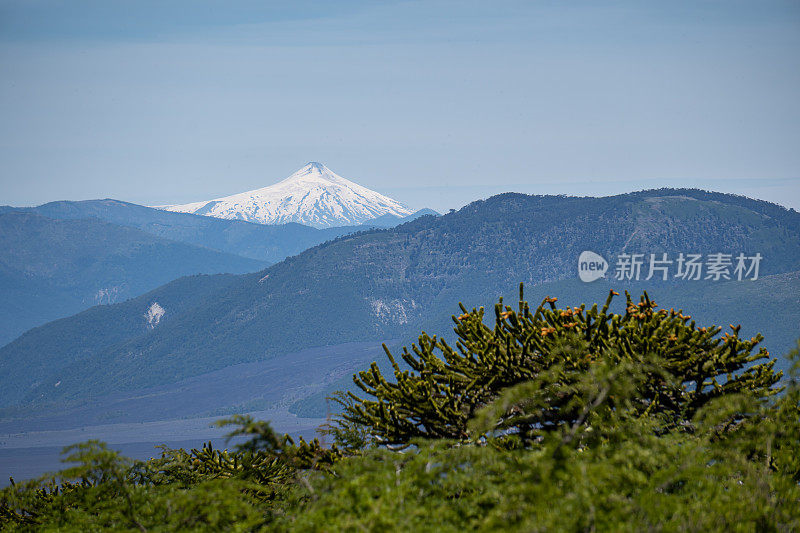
(314, 172)
(314, 195)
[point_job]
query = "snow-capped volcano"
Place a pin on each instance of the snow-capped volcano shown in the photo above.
(314, 195)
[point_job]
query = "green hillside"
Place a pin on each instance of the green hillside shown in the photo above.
(385, 283)
(55, 268)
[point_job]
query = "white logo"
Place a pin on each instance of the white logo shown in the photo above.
(591, 266)
(717, 266)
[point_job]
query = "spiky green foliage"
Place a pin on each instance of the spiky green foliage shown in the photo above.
(351, 437)
(446, 386)
(108, 492)
(203, 489)
(610, 470)
(637, 482)
(613, 438)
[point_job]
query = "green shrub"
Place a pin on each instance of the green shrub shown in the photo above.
(558, 419)
(683, 368)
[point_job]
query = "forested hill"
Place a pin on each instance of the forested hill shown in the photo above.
(387, 283)
(66, 256)
(55, 268)
(268, 244)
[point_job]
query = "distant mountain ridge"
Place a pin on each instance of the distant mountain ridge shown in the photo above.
(390, 283)
(255, 241)
(32, 299)
(314, 196)
(390, 221)
(55, 268)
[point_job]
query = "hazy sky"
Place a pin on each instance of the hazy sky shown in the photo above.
(435, 103)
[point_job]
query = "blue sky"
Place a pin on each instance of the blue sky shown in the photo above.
(435, 103)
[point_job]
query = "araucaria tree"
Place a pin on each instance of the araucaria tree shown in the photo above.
(554, 419)
(680, 367)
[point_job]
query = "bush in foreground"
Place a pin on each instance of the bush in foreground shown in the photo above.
(556, 419)
(681, 367)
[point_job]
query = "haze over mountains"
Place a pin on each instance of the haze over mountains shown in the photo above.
(68, 256)
(266, 243)
(314, 195)
(389, 284)
(55, 268)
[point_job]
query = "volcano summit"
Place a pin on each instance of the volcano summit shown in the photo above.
(314, 196)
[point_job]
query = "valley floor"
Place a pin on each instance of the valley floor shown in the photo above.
(29, 454)
(181, 414)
